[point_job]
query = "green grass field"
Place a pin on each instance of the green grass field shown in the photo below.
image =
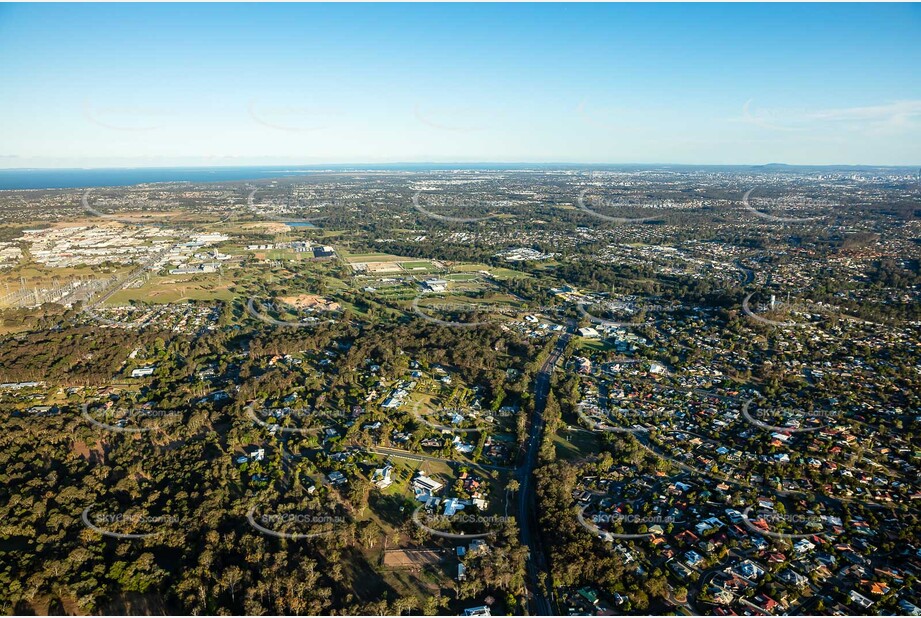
(592, 344)
(576, 444)
(162, 290)
(371, 257)
(414, 265)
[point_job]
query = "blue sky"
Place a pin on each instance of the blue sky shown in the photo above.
(211, 84)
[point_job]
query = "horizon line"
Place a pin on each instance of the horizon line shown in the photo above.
(456, 163)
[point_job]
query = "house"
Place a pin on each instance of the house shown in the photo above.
(776, 558)
(625, 553)
(765, 602)
(877, 588)
(381, 477)
(589, 333)
(909, 608)
(462, 447)
(692, 558)
(860, 600)
(452, 506)
(790, 576)
(589, 595)
(687, 536)
(711, 523)
(748, 570)
(478, 611)
(734, 516)
(425, 486)
(679, 569)
(720, 594)
(336, 478)
(142, 372)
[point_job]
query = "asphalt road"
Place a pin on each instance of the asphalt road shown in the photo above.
(527, 515)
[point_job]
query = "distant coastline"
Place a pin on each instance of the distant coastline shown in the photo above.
(26, 179)
(77, 178)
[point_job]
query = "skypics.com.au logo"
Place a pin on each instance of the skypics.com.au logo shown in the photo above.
(633, 519)
(775, 307)
(589, 204)
(278, 312)
(459, 415)
(622, 311)
(278, 419)
(300, 207)
(127, 118)
(795, 420)
(458, 525)
(618, 520)
(600, 196)
(131, 420)
(116, 525)
(765, 521)
(114, 217)
(305, 525)
(474, 314)
(294, 119)
(783, 203)
(426, 204)
(607, 419)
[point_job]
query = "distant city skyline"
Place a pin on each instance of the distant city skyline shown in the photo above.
(139, 85)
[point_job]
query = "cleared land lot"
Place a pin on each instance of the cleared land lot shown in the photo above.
(413, 558)
(376, 267)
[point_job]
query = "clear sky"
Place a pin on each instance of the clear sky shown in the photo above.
(210, 84)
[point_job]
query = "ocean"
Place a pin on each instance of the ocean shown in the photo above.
(35, 178)
(119, 177)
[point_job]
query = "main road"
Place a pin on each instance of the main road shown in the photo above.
(527, 499)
